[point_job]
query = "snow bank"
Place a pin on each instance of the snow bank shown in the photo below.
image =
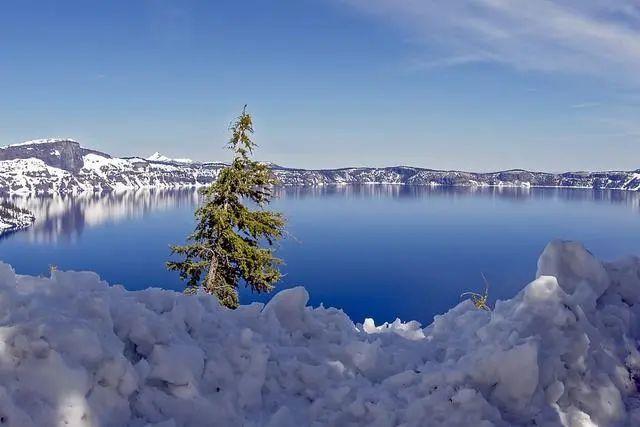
(77, 352)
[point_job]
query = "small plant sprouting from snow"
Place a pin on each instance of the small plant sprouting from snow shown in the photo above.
(480, 301)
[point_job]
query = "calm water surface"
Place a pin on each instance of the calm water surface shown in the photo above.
(375, 251)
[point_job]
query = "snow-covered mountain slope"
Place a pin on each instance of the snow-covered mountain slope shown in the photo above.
(13, 218)
(563, 352)
(40, 141)
(63, 154)
(157, 157)
(63, 166)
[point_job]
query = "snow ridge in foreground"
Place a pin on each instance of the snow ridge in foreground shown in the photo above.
(75, 351)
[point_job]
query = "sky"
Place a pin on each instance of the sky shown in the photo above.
(463, 84)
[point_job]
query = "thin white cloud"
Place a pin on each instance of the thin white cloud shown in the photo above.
(584, 105)
(600, 37)
(450, 61)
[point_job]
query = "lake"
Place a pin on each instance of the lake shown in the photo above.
(375, 251)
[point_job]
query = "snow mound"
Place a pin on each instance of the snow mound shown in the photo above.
(563, 352)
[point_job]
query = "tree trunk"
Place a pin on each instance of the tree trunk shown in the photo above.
(226, 293)
(210, 281)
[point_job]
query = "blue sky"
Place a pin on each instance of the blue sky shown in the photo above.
(475, 85)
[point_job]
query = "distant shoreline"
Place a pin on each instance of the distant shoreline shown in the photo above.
(64, 167)
(20, 194)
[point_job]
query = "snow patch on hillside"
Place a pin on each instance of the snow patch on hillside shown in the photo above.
(98, 164)
(75, 351)
(98, 174)
(633, 182)
(34, 176)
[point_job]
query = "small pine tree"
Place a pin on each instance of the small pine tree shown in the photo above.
(232, 242)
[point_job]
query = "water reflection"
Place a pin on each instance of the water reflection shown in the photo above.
(629, 198)
(64, 218)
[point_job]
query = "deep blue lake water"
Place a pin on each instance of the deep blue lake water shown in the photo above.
(374, 251)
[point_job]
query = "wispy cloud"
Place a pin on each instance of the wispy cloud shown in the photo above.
(584, 105)
(600, 37)
(450, 61)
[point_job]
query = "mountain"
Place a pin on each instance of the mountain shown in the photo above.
(63, 154)
(62, 166)
(157, 157)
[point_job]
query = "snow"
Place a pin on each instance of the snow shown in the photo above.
(563, 352)
(157, 157)
(99, 173)
(41, 141)
(633, 182)
(97, 163)
(29, 176)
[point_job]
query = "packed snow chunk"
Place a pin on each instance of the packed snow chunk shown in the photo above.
(519, 362)
(578, 272)
(625, 278)
(289, 307)
(75, 351)
(542, 290)
(163, 367)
